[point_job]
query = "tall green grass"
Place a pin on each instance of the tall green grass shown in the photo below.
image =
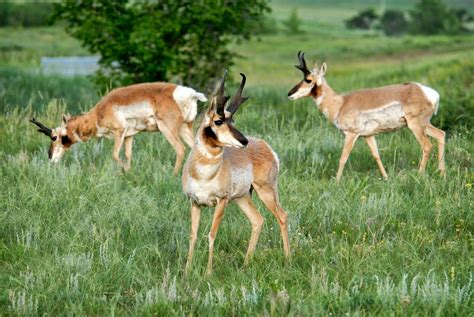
(83, 237)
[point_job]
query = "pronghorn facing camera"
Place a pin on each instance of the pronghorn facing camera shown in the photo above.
(224, 166)
(126, 111)
(370, 111)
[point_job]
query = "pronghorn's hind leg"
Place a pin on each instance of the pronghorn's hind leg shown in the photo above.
(186, 133)
(348, 145)
(119, 138)
(375, 153)
(419, 131)
(440, 137)
(269, 196)
(247, 206)
(171, 134)
(128, 142)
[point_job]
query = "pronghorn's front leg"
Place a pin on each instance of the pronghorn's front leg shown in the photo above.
(216, 220)
(195, 217)
(128, 152)
(246, 205)
(375, 153)
(119, 137)
(348, 145)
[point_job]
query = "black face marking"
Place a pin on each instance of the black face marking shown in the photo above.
(65, 140)
(308, 81)
(209, 133)
(54, 138)
(238, 136)
(294, 89)
(218, 122)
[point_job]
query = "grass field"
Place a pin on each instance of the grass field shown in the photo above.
(84, 238)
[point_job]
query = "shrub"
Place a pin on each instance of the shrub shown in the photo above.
(293, 23)
(434, 17)
(363, 20)
(393, 22)
(160, 40)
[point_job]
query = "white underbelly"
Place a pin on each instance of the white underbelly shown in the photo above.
(387, 118)
(136, 118)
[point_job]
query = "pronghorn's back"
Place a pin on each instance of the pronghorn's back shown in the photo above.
(166, 100)
(407, 94)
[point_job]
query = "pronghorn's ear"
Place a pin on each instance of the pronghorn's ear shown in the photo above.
(315, 68)
(322, 70)
(66, 117)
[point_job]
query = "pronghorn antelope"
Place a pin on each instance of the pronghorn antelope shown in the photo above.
(225, 166)
(370, 111)
(127, 111)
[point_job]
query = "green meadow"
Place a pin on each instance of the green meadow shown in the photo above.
(84, 238)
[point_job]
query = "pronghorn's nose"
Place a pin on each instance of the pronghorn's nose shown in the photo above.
(244, 142)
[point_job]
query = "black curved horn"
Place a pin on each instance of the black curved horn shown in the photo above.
(221, 99)
(302, 66)
(42, 128)
(238, 99)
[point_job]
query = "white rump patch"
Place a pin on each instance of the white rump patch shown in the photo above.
(432, 96)
(187, 98)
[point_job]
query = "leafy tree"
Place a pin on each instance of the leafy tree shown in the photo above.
(393, 22)
(293, 23)
(142, 41)
(363, 20)
(434, 17)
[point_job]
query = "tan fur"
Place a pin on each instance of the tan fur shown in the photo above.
(126, 111)
(217, 173)
(371, 111)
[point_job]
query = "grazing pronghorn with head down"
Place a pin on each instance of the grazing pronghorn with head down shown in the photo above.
(224, 166)
(371, 111)
(127, 111)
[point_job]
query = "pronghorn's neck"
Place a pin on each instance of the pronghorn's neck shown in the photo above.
(327, 101)
(208, 158)
(82, 127)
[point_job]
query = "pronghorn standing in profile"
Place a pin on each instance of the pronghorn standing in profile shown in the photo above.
(370, 111)
(225, 166)
(127, 111)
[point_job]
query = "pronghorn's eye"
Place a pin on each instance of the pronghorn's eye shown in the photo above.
(308, 81)
(218, 122)
(54, 138)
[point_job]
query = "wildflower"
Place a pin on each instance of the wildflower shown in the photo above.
(405, 300)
